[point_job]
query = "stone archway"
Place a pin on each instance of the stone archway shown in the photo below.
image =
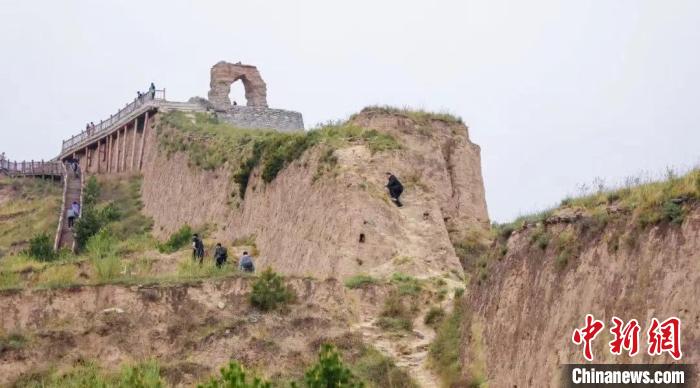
(223, 74)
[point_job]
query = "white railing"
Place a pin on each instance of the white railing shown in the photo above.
(146, 99)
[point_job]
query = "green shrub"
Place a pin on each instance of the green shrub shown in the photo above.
(12, 341)
(395, 315)
(406, 285)
(330, 372)
(91, 192)
(380, 370)
(87, 225)
(434, 316)
(101, 245)
(177, 240)
(41, 248)
(144, 375)
(445, 351)
(269, 291)
(359, 281)
(234, 376)
(673, 212)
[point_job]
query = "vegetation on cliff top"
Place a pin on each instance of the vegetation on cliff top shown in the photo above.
(420, 116)
(32, 208)
(210, 144)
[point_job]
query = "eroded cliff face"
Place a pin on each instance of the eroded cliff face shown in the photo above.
(524, 313)
(339, 222)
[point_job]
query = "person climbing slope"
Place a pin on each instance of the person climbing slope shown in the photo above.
(76, 208)
(220, 255)
(395, 188)
(197, 248)
(246, 263)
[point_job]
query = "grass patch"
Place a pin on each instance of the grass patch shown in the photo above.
(405, 284)
(12, 341)
(359, 281)
(446, 350)
(379, 370)
(396, 315)
(434, 316)
(177, 240)
(57, 276)
(33, 209)
(89, 374)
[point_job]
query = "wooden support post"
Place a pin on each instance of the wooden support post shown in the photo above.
(122, 163)
(116, 161)
(132, 157)
(143, 141)
(99, 157)
(109, 153)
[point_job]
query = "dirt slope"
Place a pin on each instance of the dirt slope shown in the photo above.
(209, 323)
(533, 299)
(305, 224)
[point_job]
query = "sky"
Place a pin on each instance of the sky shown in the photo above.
(556, 93)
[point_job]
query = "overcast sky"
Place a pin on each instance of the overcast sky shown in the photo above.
(556, 93)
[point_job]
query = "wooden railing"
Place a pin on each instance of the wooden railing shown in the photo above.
(146, 99)
(31, 168)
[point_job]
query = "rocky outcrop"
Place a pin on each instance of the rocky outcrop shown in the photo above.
(223, 74)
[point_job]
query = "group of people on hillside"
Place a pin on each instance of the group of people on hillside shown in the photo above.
(245, 263)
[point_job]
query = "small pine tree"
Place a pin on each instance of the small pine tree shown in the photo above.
(330, 372)
(234, 376)
(269, 291)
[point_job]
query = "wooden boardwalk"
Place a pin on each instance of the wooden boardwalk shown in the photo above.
(31, 168)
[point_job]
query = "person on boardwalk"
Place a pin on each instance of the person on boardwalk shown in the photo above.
(246, 263)
(70, 213)
(152, 91)
(76, 209)
(221, 255)
(92, 127)
(197, 248)
(395, 188)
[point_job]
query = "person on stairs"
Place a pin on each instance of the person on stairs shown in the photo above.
(197, 248)
(246, 263)
(220, 255)
(76, 209)
(70, 213)
(152, 91)
(395, 188)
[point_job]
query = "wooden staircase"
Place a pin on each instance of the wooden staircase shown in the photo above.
(73, 184)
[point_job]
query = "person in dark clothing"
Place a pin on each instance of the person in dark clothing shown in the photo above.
(197, 248)
(220, 255)
(152, 90)
(395, 188)
(246, 263)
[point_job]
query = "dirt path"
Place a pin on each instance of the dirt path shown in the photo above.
(409, 350)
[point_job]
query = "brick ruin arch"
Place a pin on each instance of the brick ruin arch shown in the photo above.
(223, 74)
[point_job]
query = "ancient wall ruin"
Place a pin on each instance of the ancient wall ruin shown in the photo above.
(223, 74)
(255, 114)
(262, 118)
